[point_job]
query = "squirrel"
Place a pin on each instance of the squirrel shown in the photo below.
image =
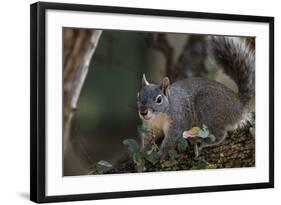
(170, 109)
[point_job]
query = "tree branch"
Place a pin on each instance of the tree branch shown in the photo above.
(160, 42)
(82, 72)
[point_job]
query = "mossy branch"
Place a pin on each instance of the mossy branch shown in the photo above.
(238, 150)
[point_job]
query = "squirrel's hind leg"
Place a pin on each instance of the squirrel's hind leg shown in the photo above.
(220, 137)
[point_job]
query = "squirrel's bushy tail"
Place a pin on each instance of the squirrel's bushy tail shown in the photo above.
(237, 57)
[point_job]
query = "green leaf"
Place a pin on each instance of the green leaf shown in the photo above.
(153, 149)
(104, 163)
(152, 158)
(173, 154)
(204, 127)
(149, 152)
(204, 133)
(212, 137)
(181, 144)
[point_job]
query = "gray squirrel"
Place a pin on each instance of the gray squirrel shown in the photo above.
(170, 109)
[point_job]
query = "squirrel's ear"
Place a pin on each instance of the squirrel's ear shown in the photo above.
(144, 82)
(165, 85)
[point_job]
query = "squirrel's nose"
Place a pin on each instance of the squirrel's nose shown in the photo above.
(143, 110)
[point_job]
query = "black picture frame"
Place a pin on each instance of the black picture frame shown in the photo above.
(38, 101)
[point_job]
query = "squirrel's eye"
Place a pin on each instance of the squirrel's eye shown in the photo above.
(159, 99)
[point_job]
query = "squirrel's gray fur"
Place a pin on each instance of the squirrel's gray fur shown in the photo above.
(170, 109)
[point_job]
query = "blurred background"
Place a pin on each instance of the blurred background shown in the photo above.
(106, 112)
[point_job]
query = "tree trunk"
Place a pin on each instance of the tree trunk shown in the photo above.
(79, 47)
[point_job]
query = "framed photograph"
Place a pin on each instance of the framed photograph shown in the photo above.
(129, 102)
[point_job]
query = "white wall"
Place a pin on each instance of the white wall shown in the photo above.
(14, 100)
